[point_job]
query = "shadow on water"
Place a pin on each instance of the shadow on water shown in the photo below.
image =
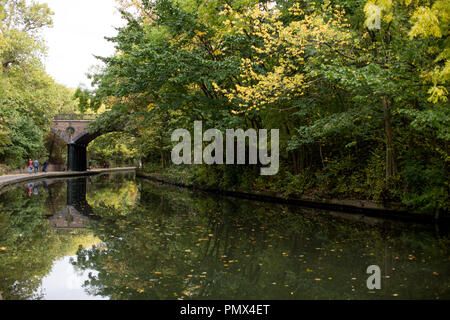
(133, 239)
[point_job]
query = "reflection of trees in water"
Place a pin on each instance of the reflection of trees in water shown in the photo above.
(32, 245)
(56, 198)
(24, 237)
(175, 244)
(115, 190)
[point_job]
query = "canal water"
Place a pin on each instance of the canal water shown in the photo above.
(119, 237)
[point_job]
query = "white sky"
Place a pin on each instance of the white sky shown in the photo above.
(79, 28)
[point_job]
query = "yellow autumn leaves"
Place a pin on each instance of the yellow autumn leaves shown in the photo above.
(433, 22)
(428, 21)
(264, 83)
(285, 45)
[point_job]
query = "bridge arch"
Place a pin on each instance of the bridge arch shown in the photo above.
(73, 129)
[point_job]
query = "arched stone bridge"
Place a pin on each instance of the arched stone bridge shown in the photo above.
(72, 128)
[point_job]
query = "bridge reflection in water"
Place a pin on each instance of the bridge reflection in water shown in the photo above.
(75, 214)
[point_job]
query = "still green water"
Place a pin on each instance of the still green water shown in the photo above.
(118, 237)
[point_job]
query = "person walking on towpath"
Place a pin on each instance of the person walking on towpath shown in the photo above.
(30, 166)
(45, 167)
(36, 166)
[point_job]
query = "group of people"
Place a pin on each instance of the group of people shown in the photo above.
(34, 165)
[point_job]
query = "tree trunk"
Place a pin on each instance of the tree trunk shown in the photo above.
(321, 155)
(301, 157)
(295, 162)
(161, 154)
(391, 160)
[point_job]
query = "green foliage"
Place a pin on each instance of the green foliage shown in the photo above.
(297, 185)
(345, 97)
(112, 148)
(29, 98)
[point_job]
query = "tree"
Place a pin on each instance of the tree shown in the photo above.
(29, 98)
(347, 84)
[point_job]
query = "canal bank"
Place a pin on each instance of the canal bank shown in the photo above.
(391, 211)
(11, 180)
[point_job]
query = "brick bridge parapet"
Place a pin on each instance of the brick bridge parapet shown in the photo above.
(71, 127)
